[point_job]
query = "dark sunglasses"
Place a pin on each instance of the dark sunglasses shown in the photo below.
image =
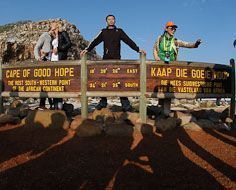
(172, 28)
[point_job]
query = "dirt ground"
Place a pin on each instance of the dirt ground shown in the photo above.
(37, 158)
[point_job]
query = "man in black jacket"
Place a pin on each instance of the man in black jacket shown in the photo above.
(112, 36)
(64, 44)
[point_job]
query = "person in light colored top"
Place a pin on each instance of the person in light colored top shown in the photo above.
(43, 46)
(54, 56)
(42, 52)
(166, 48)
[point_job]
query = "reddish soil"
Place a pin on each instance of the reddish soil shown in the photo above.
(35, 158)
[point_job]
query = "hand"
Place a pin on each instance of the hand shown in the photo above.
(55, 51)
(157, 58)
(198, 42)
(42, 57)
(142, 51)
(82, 53)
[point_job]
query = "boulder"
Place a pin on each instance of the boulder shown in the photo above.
(30, 101)
(223, 126)
(16, 103)
(167, 124)
(19, 110)
(213, 115)
(210, 104)
(46, 118)
(120, 117)
(13, 111)
(4, 119)
(183, 101)
(24, 110)
(145, 129)
(205, 123)
(89, 128)
(224, 114)
(176, 102)
(103, 115)
(228, 121)
(184, 117)
(77, 121)
(119, 130)
(189, 106)
(207, 104)
(200, 114)
(135, 106)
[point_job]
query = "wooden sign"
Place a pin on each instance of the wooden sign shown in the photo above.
(163, 78)
(113, 77)
(187, 79)
(42, 78)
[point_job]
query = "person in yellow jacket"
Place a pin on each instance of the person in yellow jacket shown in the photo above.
(166, 46)
(166, 49)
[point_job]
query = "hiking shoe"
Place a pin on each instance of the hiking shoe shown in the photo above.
(41, 108)
(127, 108)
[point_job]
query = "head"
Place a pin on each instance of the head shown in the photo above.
(111, 20)
(170, 28)
(54, 26)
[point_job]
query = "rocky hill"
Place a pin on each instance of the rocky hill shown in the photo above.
(17, 40)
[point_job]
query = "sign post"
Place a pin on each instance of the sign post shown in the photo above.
(143, 87)
(84, 82)
(1, 88)
(232, 103)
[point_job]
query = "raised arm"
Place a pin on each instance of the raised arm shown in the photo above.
(97, 40)
(38, 47)
(125, 38)
(181, 43)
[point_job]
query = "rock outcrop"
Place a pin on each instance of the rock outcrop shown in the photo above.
(18, 40)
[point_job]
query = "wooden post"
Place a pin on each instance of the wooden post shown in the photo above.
(232, 103)
(1, 88)
(143, 86)
(84, 81)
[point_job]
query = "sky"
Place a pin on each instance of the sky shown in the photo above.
(213, 21)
